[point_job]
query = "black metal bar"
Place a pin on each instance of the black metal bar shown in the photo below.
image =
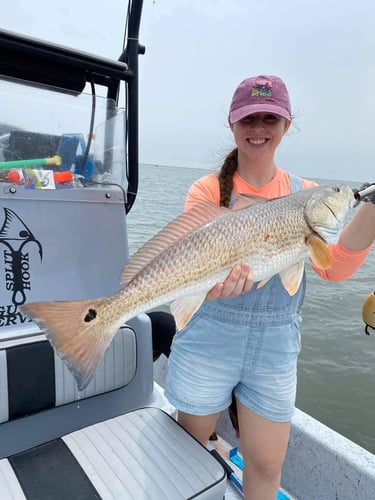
(133, 49)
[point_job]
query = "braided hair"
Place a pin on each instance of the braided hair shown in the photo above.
(225, 177)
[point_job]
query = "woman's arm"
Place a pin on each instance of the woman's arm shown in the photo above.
(353, 246)
(359, 233)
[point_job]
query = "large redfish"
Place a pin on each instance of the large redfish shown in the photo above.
(189, 256)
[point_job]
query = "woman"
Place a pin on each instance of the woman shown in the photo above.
(243, 339)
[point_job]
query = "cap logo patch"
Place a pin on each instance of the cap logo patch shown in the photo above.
(261, 88)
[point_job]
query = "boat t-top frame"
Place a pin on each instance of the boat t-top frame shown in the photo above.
(66, 70)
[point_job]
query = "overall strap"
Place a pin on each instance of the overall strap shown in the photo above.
(295, 183)
(232, 200)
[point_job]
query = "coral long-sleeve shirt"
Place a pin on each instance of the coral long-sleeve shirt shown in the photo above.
(345, 262)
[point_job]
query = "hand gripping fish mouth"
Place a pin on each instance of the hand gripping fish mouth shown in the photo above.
(182, 262)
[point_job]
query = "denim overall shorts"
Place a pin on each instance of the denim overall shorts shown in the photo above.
(248, 344)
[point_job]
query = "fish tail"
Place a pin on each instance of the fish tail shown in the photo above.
(75, 332)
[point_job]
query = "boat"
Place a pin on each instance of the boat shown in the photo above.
(69, 177)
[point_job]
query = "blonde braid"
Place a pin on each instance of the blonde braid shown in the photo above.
(225, 177)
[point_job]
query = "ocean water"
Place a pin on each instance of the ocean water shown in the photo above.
(336, 372)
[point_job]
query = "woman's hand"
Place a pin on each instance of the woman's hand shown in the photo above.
(239, 280)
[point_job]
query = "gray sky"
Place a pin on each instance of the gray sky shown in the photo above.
(197, 51)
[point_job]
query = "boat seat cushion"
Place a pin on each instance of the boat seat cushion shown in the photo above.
(143, 454)
(33, 378)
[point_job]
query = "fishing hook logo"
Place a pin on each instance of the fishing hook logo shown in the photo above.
(15, 236)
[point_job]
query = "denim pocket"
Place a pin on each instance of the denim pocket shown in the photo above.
(280, 344)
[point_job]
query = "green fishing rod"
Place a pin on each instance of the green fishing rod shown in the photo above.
(53, 160)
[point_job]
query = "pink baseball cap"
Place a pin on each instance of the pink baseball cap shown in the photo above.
(260, 94)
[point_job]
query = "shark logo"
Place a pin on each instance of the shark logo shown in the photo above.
(16, 236)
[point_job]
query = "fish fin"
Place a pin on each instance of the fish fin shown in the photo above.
(291, 278)
(263, 282)
(198, 215)
(184, 308)
(247, 200)
(75, 334)
(319, 252)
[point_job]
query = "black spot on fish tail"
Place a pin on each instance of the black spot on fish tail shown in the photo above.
(90, 315)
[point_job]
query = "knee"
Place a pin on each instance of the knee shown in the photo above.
(265, 470)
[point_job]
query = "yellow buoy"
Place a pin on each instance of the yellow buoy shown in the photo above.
(368, 312)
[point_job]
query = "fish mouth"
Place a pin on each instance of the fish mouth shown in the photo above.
(332, 212)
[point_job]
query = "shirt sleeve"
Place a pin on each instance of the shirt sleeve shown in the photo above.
(204, 189)
(345, 262)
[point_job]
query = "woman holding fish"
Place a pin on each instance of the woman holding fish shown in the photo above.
(236, 337)
(245, 337)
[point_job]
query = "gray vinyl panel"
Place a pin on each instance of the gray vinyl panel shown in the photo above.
(4, 406)
(77, 251)
(116, 370)
(146, 455)
(9, 485)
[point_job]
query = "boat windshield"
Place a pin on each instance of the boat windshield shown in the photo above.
(80, 139)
